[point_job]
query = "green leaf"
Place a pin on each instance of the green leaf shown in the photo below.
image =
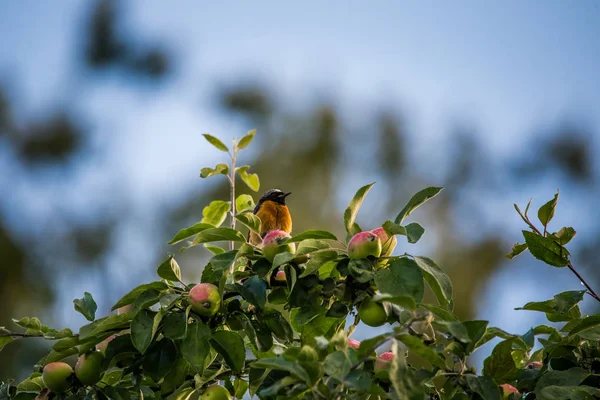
(476, 330)
(4, 340)
(456, 329)
(570, 377)
(546, 249)
(568, 393)
(281, 364)
(441, 313)
(222, 261)
(246, 140)
(337, 365)
(231, 347)
(402, 278)
(219, 169)
(362, 270)
(546, 212)
(103, 325)
(240, 387)
(563, 236)
(588, 328)
(281, 259)
(218, 235)
(437, 280)
(320, 326)
(130, 297)
(417, 346)
(562, 303)
(175, 326)
(175, 377)
(418, 199)
(412, 231)
(159, 359)
(318, 260)
(86, 306)
(251, 180)
(484, 386)
(195, 347)
(254, 290)
(65, 344)
(188, 232)
(352, 210)
(250, 220)
(308, 246)
(141, 330)
(214, 249)
(244, 202)
(216, 212)
(312, 234)
(500, 364)
(169, 270)
(517, 249)
(402, 301)
(215, 142)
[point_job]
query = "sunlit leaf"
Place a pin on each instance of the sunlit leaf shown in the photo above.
(191, 231)
(417, 200)
(546, 249)
(247, 139)
(353, 207)
(218, 235)
(215, 142)
(219, 169)
(251, 180)
(216, 212)
(546, 212)
(250, 220)
(244, 202)
(169, 270)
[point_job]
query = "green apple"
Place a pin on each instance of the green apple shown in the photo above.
(388, 243)
(273, 244)
(216, 393)
(372, 313)
(205, 299)
(56, 376)
(89, 367)
(364, 244)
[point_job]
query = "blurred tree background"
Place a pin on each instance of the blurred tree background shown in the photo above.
(65, 230)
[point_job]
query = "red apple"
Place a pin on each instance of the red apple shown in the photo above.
(56, 376)
(355, 344)
(388, 244)
(507, 390)
(280, 276)
(364, 244)
(383, 361)
(205, 299)
(534, 365)
(273, 244)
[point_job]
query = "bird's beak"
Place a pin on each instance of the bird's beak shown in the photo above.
(286, 195)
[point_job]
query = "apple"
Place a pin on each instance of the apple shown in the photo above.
(388, 244)
(205, 299)
(104, 344)
(534, 365)
(273, 244)
(280, 276)
(507, 390)
(56, 376)
(372, 313)
(383, 361)
(125, 309)
(216, 393)
(355, 344)
(89, 367)
(364, 244)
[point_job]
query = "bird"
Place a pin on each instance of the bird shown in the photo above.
(273, 214)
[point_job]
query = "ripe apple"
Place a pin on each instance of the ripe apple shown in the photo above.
(216, 393)
(372, 313)
(205, 299)
(56, 376)
(364, 244)
(383, 361)
(534, 365)
(355, 344)
(89, 367)
(280, 276)
(388, 244)
(273, 244)
(507, 390)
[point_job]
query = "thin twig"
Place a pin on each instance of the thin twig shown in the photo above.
(590, 291)
(366, 357)
(232, 194)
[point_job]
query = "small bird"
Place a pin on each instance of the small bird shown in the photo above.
(273, 214)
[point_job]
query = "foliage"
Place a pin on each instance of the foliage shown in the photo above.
(288, 338)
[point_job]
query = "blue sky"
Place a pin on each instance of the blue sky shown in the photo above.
(507, 67)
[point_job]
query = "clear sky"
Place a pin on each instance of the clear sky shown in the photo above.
(509, 66)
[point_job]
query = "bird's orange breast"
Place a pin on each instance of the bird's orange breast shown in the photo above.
(274, 216)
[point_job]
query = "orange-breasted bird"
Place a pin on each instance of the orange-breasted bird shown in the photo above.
(273, 214)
